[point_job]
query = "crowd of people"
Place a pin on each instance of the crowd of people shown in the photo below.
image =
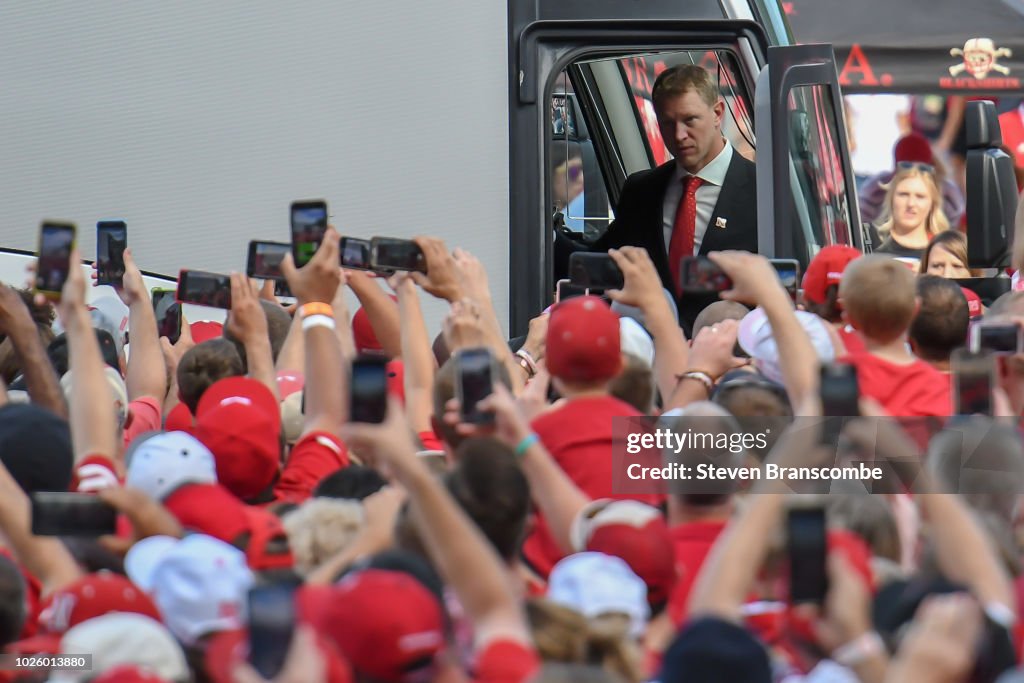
(429, 547)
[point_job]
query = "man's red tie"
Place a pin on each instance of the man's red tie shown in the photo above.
(683, 229)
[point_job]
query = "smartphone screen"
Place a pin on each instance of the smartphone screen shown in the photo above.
(973, 379)
(56, 240)
(594, 271)
(309, 224)
(204, 289)
(387, 253)
(788, 271)
(564, 289)
(71, 514)
(840, 392)
(474, 383)
(168, 314)
(271, 627)
(701, 275)
(368, 390)
(355, 253)
(807, 550)
(1003, 339)
(265, 258)
(111, 241)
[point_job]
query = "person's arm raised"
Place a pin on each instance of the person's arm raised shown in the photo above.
(381, 311)
(248, 323)
(314, 286)
(146, 373)
(41, 380)
(417, 355)
(457, 547)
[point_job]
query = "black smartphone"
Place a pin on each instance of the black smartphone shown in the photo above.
(59, 513)
(788, 271)
(271, 627)
(355, 253)
(807, 547)
(56, 240)
(839, 392)
(387, 253)
(368, 389)
(168, 313)
(1004, 339)
(700, 275)
(111, 241)
(594, 271)
(974, 375)
(309, 225)
(204, 289)
(565, 289)
(474, 381)
(265, 258)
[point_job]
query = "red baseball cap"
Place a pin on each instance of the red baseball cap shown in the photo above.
(205, 330)
(289, 382)
(583, 340)
(914, 148)
(128, 673)
(179, 419)
(92, 595)
(974, 307)
(826, 269)
(239, 420)
(635, 532)
(386, 623)
(268, 546)
(362, 331)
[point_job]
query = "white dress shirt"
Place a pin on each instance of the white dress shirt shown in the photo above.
(713, 176)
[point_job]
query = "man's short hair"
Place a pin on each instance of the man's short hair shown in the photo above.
(444, 391)
(705, 417)
(712, 314)
(679, 80)
(12, 601)
(203, 365)
(489, 486)
(635, 384)
(878, 295)
(942, 319)
(278, 325)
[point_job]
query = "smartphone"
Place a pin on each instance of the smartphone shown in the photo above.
(788, 271)
(355, 253)
(58, 513)
(204, 289)
(387, 253)
(474, 381)
(839, 398)
(974, 375)
(309, 225)
(564, 289)
(271, 627)
(1004, 339)
(168, 313)
(368, 389)
(56, 240)
(111, 241)
(265, 258)
(701, 275)
(594, 271)
(808, 550)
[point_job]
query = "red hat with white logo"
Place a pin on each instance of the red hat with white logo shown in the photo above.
(826, 269)
(583, 342)
(974, 307)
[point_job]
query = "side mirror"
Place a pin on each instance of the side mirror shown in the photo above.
(991, 189)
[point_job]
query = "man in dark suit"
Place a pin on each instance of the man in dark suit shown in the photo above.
(704, 200)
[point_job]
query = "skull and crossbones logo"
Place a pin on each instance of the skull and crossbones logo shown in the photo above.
(980, 55)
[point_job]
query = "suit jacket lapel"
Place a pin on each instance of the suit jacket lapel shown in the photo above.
(733, 190)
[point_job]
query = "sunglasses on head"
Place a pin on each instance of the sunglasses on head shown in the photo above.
(915, 165)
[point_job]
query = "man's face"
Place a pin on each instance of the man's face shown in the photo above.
(691, 129)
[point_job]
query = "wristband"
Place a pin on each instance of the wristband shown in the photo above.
(315, 308)
(526, 362)
(317, 320)
(859, 650)
(528, 441)
(702, 377)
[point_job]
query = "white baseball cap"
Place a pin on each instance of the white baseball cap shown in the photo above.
(123, 638)
(118, 391)
(198, 583)
(165, 461)
(634, 340)
(595, 584)
(756, 338)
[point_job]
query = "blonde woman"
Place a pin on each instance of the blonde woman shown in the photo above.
(913, 213)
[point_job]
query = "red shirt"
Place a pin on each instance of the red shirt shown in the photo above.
(852, 341)
(691, 542)
(316, 455)
(146, 417)
(913, 390)
(579, 437)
